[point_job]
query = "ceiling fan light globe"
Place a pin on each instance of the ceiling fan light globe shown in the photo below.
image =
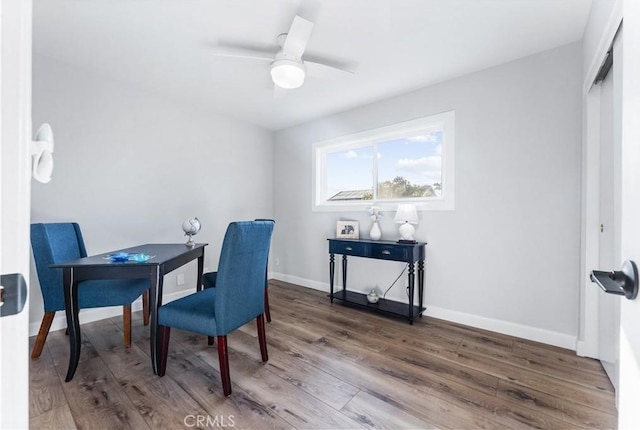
(288, 74)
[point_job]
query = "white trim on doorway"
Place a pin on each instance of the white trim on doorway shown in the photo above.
(587, 344)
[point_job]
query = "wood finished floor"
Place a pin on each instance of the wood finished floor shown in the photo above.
(330, 367)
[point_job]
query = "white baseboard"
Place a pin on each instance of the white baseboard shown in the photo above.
(97, 314)
(321, 286)
(586, 349)
(505, 327)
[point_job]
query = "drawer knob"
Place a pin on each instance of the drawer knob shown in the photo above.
(386, 252)
(348, 248)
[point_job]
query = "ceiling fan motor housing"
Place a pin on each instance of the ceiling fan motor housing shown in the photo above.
(288, 73)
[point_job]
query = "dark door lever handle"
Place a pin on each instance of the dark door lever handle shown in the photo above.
(622, 283)
(13, 294)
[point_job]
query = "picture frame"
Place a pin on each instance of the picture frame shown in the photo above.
(347, 230)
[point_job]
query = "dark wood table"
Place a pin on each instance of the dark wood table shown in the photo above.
(167, 257)
(410, 253)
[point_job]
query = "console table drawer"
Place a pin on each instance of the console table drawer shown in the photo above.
(388, 252)
(358, 249)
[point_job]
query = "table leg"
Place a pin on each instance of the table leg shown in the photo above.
(344, 277)
(412, 281)
(73, 323)
(421, 286)
(332, 270)
(200, 271)
(155, 301)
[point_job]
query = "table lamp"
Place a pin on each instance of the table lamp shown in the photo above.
(406, 215)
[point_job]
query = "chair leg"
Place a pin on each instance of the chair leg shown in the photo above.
(164, 332)
(267, 312)
(145, 307)
(262, 338)
(47, 319)
(126, 325)
(223, 358)
(210, 340)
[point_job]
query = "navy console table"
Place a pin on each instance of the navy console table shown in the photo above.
(410, 253)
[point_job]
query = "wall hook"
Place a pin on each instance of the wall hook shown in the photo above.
(622, 283)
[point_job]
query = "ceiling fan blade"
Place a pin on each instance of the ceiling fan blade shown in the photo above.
(321, 70)
(298, 37)
(237, 52)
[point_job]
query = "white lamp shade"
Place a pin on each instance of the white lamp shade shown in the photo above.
(407, 213)
(288, 74)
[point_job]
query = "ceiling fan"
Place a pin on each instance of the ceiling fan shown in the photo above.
(288, 69)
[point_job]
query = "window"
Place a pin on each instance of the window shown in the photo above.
(409, 162)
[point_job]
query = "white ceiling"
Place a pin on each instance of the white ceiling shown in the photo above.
(395, 46)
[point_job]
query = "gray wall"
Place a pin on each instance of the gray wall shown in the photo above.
(130, 167)
(507, 257)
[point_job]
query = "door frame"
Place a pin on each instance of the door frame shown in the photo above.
(587, 344)
(15, 195)
(629, 393)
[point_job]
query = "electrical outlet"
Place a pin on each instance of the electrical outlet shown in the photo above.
(180, 279)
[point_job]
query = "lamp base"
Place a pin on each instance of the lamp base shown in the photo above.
(406, 231)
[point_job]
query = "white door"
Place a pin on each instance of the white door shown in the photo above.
(15, 194)
(609, 241)
(629, 390)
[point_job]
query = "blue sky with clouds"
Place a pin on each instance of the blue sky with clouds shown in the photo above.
(417, 158)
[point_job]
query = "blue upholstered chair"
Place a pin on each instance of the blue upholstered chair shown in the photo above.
(237, 298)
(59, 242)
(209, 281)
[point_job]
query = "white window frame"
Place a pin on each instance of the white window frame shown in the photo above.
(446, 201)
